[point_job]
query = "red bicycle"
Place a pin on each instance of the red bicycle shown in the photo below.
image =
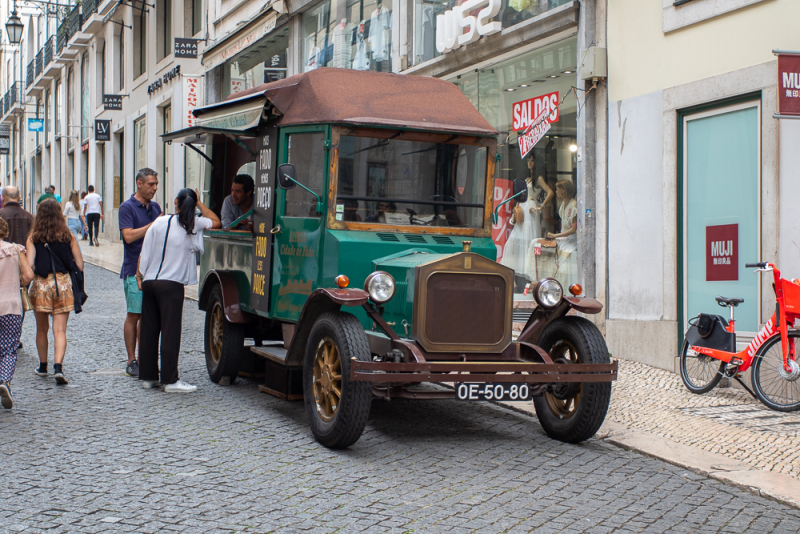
(709, 351)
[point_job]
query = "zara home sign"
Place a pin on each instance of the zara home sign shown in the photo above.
(460, 26)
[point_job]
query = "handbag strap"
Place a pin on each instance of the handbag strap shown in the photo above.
(164, 250)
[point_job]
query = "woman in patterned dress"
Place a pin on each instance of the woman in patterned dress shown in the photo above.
(51, 249)
(14, 270)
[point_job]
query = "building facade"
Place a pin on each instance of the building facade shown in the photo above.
(701, 177)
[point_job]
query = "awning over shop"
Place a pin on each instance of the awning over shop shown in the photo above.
(200, 135)
(344, 96)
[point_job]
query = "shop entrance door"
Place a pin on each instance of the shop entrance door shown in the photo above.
(721, 206)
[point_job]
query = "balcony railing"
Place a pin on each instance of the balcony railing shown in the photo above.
(39, 62)
(48, 51)
(74, 21)
(89, 7)
(13, 95)
(61, 38)
(29, 77)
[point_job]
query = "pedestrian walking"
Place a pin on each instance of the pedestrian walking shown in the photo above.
(93, 211)
(135, 216)
(14, 272)
(72, 211)
(85, 233)
(167, 264)
(51, 249)
(19, 221)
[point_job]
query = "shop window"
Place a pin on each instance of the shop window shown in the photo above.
(59, 102)
(540, 240)
(47, 111)
(348, 35)
(70, 107)
(84, 132)
(193, 17)
(139, 144)
(100, 60)
(164, 22)
(306, 154)
(427, 12)
(120, 60)
(139, 43)
(264, 62)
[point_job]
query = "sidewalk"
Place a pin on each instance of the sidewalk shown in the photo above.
(109, 256)
(724, 434)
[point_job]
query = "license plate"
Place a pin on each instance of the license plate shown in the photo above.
(499, 392)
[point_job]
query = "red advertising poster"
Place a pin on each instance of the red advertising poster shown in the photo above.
(722, 252)
(524, 113)
(788, 84)
(501, 230)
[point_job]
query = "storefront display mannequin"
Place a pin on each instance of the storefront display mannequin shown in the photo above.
(560, 262)
(524, 222)
(541, 194)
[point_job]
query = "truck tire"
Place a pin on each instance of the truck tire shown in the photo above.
(573, 412)
(224, 341)
(337, 408)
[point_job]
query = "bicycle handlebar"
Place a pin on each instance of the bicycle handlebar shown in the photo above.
(759, 265)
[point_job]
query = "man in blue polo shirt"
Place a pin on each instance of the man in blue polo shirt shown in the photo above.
(135, 216)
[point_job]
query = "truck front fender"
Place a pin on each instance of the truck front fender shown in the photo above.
(227, 280)
(320, 301)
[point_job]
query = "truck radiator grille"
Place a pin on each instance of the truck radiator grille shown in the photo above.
(465, 308)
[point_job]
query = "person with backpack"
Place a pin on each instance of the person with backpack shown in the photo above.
(52, 249)
(168, 263)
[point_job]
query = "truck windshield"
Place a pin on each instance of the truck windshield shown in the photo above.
(404, 182)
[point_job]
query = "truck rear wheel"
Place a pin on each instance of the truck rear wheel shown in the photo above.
(573, 412)
(224, 341)
(337, 408)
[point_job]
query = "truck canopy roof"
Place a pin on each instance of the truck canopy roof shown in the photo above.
(344, 96)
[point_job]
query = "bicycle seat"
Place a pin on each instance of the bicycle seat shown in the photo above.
(725, 301)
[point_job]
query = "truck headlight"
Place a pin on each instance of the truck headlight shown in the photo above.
(548, 292)
(380, 286)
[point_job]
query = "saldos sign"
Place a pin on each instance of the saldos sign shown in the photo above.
(466, 24)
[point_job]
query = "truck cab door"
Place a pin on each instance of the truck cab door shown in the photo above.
(297, 253)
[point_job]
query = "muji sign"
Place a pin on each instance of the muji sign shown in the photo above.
(523, 113)
(722, 252)
(788, 84)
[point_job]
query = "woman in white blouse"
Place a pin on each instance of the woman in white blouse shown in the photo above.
(72, 211)
(166, 265)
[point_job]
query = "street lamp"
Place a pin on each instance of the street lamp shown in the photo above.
(14, 27)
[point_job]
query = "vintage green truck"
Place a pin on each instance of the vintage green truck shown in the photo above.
(382, 182)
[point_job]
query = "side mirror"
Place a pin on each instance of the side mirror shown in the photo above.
(287, 176)
(521, 189)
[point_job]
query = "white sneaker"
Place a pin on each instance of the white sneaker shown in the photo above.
(150, 384)
(180, 387)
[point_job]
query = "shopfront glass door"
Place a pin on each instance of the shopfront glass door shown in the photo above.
(721, 211)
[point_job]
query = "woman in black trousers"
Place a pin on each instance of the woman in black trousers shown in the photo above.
(167, 264)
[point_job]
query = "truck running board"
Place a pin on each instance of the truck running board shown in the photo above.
(280, 379)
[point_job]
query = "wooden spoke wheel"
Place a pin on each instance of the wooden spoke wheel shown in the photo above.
(327, 379)
(337, 408)
(224, 341)
(573, 412)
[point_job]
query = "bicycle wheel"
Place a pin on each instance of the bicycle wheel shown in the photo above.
(773, 386)
(700, 373)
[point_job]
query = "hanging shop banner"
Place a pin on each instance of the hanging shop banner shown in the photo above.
(789, 84)
(186, 47)
(193, 96)
(5, 145)
(523, 113)
(35, 125)
(503, 189)
(112, 102)
(540, 126)
(102, 130)
(722, 253)
(262, 218)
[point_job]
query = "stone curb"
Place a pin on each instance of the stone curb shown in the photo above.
(776, 486)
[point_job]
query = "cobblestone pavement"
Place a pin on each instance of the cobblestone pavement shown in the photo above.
(725, 421)
(103, 455)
